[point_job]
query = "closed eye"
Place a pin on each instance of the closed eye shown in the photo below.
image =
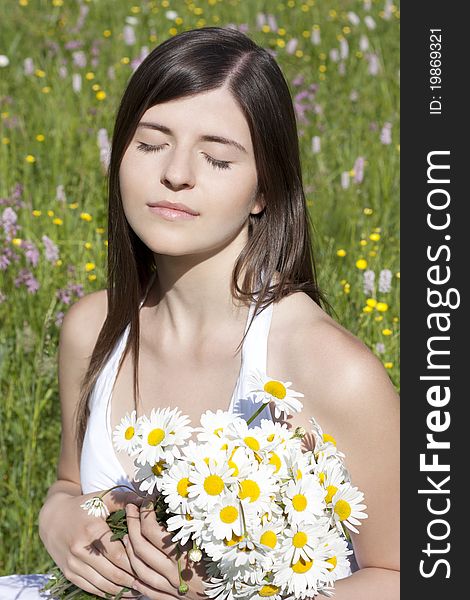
(218, 164)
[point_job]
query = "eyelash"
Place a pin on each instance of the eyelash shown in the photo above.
(218, 164)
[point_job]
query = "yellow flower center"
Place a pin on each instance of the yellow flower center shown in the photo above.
(228, 514)
(213, 485)
(218, 431)
(268, 590)
(299, 474)
(342, 509)
(333, 562)
(302, 566)
(155, 437)
(299, 502)
(329, 438)
(321, 477)
(182, 487)
(330, 492)
(252, 443)
(233, 540)
(129, 433)
(189, 517)
(158, 468)
(249, 489)
(276, 389)
(269, 538)
(270, 437)
(300, 539)
(275, 460)
(234, 466)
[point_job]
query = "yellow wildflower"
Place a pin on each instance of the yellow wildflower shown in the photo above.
(361, 263)
(382, 306)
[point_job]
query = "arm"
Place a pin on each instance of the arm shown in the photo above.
(350, 395)
(78, 543)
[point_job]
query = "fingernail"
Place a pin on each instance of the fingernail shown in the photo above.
(125, 540)
(147, 504)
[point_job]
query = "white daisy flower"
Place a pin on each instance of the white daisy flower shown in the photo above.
(270, 533)
(225, 518)
(302, 577)
(194, 451)
(125, 434)
(278, 435)
(258, 490)
(304, 500)
(270, 390)
(337, 551)
(330, 474)
(222, 588)
(150, 476)
(238, 433)
(245, 559)
(189, 525)
(161, 434)
(297, 463)
(210, 482)
(175, 485)
(301, 541)
(96, 507)
(213, 426)
(325, 444)
(242, 462)
(347, 508)
(259, 591)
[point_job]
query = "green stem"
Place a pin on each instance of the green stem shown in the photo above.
(255, 414)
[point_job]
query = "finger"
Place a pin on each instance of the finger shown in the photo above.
(151, 577)
(153, 594)
(97, 569)
(113, 551)
(154, 532)
(109, 553)
(101, 582)
(152, 556)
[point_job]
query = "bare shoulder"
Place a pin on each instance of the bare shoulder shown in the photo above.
(82, 323)
(334, 367)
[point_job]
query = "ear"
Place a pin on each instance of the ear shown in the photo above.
(259, 205)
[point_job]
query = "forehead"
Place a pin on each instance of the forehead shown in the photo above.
(208, 113)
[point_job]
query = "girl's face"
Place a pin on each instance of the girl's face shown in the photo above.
(178, 160)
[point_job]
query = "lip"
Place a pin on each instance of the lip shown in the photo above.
(176, 206)
(170, 214)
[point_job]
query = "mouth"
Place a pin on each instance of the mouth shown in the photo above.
(175, 206)
(171, 214)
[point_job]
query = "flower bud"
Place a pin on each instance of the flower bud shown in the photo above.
(183, 588)
(195, 554)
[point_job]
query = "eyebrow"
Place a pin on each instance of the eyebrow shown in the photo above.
(204, 138)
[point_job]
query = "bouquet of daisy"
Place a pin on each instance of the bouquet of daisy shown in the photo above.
(269, 518)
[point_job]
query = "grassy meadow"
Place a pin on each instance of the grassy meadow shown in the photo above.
(63, 67)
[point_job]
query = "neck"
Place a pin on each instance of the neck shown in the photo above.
(191, 297)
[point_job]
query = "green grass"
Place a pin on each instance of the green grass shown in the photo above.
(44, 103)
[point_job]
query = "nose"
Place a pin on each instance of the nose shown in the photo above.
(177, 174)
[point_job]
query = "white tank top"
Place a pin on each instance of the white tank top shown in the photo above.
(100, 468)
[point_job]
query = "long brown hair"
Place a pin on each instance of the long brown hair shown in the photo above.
(279, 237)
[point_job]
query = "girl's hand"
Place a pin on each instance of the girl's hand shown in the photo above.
(81, 546)
(154, 557)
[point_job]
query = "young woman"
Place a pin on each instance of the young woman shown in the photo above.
(206, 126)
